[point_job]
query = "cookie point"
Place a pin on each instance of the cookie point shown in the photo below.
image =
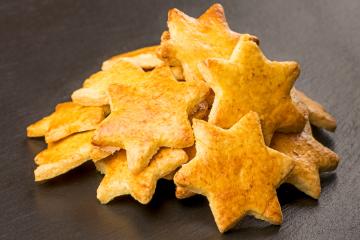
(248, 37)
(293, 69)
(174, 13)
(216, 8)
(255, 39)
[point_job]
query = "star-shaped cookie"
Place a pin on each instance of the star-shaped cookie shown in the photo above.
(236, 171)
(251, 82)
(67, 119)
(119, 180)
(150, 115)
(310, 158)
(318, 116)
(95, 89)
(144, 57)
(190, 41)
(64, 155)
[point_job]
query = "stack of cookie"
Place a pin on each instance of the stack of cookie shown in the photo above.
(205, 109)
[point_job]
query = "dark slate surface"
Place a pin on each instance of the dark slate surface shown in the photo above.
(49, 47)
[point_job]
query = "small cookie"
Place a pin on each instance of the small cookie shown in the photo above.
(318, 115)
(64, 155)
(67, 119)
(310, 158)
(119, 180)
(144, 57)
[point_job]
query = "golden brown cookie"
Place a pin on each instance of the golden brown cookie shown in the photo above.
(190, 41)
(310, 158)
(64, 155)
(119, 180)
(150, 115)
(144, 57)
(318, 116)
(251, 82)
(67, 119)
(236, 171)
(95, 89)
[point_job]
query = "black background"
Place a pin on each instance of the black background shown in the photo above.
(49, 47)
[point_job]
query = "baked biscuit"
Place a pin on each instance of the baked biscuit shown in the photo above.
(150, 115)
(250, 82)
(236, 172)
(119, 180)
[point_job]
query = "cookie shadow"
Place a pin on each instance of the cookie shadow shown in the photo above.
(249, 226)
(288, 194)
(328, 179)
(323, 137)
(164, 192)
(34, 145)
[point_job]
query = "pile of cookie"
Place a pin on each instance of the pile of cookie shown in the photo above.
(205, 109)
